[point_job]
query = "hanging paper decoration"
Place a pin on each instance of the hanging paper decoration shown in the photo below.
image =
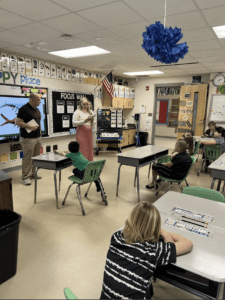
(161, 43)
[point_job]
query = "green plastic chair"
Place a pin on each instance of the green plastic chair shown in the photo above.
(202, 192)
(92, 173)
(164, 179)
(212, 152)
(69, 294)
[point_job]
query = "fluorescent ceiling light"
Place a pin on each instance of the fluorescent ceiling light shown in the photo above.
(144, 73)
(220, 31)
(78, 52)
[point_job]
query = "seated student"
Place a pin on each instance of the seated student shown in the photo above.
(217, 141)
(79, 161)
(136, 251)
(177, 168)
(212, 129)
(189, 139)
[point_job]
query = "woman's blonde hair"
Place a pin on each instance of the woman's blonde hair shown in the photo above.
(144, 224)
(82, 100)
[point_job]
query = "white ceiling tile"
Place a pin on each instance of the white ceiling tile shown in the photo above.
(75, 43)
(16, 38)
(206, 53)
(121, 46)
(112, 14)
(75, 5)
(209, 3)
(70, 24)
(137, 42)
(196, 35)
(4, 44)
(211, 59)
(154, 9)
(38, 30)
(33, 9)
(10, 20)
(130, 31)
(91, 36)
(212, 44)
(215, 16)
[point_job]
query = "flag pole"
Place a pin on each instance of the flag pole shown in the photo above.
(100, 82)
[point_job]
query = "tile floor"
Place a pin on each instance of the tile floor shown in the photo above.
(61, 248)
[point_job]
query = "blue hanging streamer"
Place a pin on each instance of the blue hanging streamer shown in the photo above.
(161, 43)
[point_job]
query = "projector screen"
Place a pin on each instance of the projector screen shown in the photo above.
(9, 106)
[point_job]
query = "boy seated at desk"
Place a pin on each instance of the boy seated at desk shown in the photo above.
(176, 169)
(79, 161)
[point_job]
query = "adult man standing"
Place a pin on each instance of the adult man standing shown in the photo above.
(31, 142)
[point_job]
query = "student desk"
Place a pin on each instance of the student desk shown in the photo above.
(138, 158)
(217, 171)
(51, 161)
(206, 262)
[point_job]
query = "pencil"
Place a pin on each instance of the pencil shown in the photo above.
(194, 220)
(194, 223)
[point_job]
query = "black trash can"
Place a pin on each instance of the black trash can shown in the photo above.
(9, 234)
(143, 138)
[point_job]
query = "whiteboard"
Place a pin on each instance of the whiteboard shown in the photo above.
(217, 108)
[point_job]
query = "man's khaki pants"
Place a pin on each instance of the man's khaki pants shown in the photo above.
(31, 147)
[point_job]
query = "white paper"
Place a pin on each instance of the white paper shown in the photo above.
(41, 68)
(35, 67)
(5, 62)
(32, 123)
(64, 72)
(70, 107)
(60, 107)
(142, 109)
(53, 71)
(13, 63)
(69, 73)
(218, 108)
(59, 74)
(66, 122)
(47, 70)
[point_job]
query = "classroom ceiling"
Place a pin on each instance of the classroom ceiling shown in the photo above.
(119, 24)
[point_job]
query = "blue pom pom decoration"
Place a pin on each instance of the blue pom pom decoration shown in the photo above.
(161, 43)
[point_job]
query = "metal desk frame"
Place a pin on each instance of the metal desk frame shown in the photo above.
(138, 162)
(49, 164)
(217, 171)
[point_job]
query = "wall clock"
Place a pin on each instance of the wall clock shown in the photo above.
(218, 80)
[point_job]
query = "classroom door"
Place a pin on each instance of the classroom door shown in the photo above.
(192, 109)
(163, 111)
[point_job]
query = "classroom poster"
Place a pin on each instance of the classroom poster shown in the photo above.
(53, 71)
(70, 107)
(13, 63)
(28, 66)
(69, 73)
(5, 62)
(77, 76)
(60, 106)
(73, 71)
(113, 118)
(82, 76)
(58, 72)
(119, 118)
(47, 70)
(63, 72)
(13, 157)
(65, 121)
(4, 158)
(35, 67)
(41, 68)
(21, 65)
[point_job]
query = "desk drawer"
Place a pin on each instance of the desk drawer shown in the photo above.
(218, 174)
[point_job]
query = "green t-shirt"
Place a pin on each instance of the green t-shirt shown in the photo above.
(79, 161)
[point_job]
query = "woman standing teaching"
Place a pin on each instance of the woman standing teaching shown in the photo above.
(83, 120)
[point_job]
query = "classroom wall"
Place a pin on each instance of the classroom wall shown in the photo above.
(62, 141)
(147, 98)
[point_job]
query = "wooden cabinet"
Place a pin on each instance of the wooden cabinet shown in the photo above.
(123, 102)
(6, 200)
(129, 137)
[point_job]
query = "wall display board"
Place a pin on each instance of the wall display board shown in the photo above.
(109, 120)
(217, 108)
(11, 99)
(63, 104)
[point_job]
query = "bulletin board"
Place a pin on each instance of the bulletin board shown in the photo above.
(63, 103)
(217, 108)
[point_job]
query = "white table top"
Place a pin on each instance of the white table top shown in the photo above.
(218, 164)
(207, 258)
(49, 157)
(199, 138)
(143, 152)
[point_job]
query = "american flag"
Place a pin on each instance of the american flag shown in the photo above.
(107, 82)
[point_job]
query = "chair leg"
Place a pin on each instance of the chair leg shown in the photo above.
(168, 187)
(180, 187)
(186, 182)
(103, 194)
(79, 197)
(149, 170)
(160, 187)
(67, 193)
(88, 190)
